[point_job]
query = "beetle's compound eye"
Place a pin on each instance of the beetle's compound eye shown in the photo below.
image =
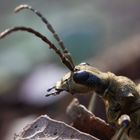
(86, 78)
(80, 76)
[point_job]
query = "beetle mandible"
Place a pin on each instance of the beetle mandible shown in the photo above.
(121, 95)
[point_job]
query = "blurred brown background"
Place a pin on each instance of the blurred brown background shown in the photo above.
(103, 33)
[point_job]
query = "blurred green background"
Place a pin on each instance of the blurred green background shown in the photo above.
(99, 32)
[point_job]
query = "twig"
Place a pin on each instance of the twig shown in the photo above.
(87, 122)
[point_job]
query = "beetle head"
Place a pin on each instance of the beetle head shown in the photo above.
(84, 79)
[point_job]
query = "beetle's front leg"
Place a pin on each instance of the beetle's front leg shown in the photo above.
(123, 122)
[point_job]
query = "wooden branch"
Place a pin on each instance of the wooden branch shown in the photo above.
(87, 122)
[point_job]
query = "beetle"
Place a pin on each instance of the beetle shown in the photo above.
(120, 95)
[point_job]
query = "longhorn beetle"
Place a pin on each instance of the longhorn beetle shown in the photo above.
(121, 95)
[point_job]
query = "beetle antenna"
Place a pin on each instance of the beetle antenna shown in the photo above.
(42, 37)
(50, 28)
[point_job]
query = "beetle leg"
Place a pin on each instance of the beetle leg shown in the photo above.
(124, 122)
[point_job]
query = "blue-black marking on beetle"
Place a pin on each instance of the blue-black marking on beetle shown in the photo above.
(121, 95)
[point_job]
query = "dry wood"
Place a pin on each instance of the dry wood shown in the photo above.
(87, 122)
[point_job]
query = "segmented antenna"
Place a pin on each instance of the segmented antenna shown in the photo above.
(49, 27)
(64, 56)
(42, 37)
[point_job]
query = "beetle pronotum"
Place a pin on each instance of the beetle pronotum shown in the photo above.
(118, 92)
